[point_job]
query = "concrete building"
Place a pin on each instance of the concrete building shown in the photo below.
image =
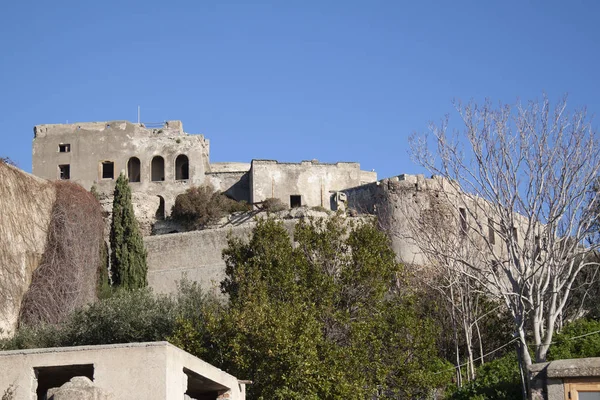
(135, 371)
(163, 161)
(572, 379)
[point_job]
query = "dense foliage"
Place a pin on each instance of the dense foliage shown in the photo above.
(496, 380)
(127, 252)
(577, 339)
(200, 206)
(122, 317)
(328, 318)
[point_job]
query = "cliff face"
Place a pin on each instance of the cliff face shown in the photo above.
(25, 211)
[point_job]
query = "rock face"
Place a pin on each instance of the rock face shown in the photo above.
(78, 388)
(25, 211)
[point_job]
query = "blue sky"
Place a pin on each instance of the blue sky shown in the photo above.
(288, 80)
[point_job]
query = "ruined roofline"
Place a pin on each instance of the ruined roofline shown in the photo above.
(170, 128)
(304, 162)
(405, 179)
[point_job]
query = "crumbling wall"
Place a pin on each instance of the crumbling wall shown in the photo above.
(94, 144)
(235, 185)
(313, 181)
(25, 210)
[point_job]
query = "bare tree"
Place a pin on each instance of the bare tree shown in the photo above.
(518, 179)
(429, 222)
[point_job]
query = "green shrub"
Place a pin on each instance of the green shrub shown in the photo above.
(496, 380)
(201, 206)
(584, 346)
(33, 336)
(320, 209)
(123, 317)
(135, 316)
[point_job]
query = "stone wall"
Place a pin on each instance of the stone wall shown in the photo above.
(235, 185)
(314, 182)
(26, 208)
(401, 202)
(196, 256)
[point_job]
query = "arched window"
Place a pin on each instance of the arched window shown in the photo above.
(134, 168)
(158, 169)
(182, 167)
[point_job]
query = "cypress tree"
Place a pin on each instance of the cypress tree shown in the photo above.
(127, 253)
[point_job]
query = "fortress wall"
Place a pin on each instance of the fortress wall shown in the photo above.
(196, 255)
(311, 180)
(391, 199)
(234, 184)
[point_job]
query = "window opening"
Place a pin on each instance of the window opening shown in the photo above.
(64, 148)
(491, 233)
(158, 169)
(134, 168)
(160, 211)
(295, 201)
(56, 376)
(182, 168)
(200, 387)
(64, 171)
(108, 170)
(463, 220)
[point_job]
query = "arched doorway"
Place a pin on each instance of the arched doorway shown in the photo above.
(134, 168)
(182, 167)
(158, 169)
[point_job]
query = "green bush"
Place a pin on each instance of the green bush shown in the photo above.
(496, 380)
(583, 346)
(136, 316)
(200, 206)
(122, 317)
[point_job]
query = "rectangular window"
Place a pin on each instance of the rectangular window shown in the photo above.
(108, 170)
(295, 201)
(491, 233)
(582, 388)
(64, 148)
(463, 220)
(64, 171)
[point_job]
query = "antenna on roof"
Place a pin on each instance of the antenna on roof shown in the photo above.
(138, 115)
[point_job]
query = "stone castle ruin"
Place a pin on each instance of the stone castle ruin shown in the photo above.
(164, 161)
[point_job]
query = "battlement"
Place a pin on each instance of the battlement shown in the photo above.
(167, 128)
